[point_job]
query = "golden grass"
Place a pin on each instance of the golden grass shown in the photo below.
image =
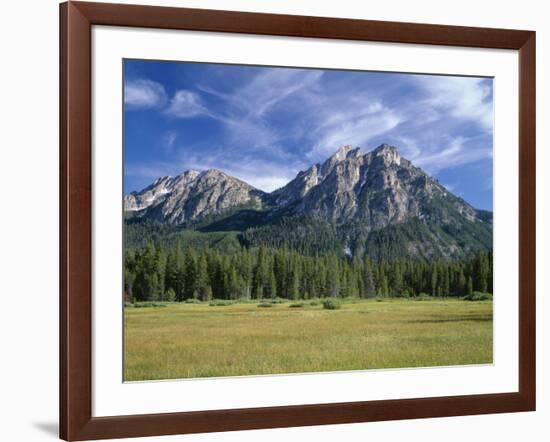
(198, 340)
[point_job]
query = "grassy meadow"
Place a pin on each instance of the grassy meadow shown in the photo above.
(186, 340)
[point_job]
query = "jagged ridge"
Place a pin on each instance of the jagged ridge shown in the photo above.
(191, 196)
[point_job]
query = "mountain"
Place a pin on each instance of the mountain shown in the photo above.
(376, 203)
(191, 196)
(378, 188)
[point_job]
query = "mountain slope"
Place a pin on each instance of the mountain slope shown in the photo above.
(377, 188)
(192, 196)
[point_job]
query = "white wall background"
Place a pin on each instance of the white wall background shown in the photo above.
(29, 218)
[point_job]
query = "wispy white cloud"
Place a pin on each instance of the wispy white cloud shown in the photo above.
(325, 119)
(355, 126)
(260, 173)
(464, 98)
(249, 133)
(186, 104)
(143, 94)
(408, 146)
(271, 87)
(169, 139)
(456, 152)
(245, 111)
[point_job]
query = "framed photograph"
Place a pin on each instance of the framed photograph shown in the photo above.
(272, 221)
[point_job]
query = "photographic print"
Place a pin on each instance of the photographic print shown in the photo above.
(286, 220)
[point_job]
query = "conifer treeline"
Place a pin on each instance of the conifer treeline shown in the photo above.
(155, 273)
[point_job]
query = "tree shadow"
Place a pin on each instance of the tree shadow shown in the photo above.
(479, 318)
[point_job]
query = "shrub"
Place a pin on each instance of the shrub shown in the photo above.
(403, 294)
(170, 295)
(148, 304)
(296, 305)
(220, 303)
(192, 301)
(423, 297)
(331, 304)
(276, 300)
(314, 302)
(478, 296)
(270, 300)
(205, 294)
(265, 304)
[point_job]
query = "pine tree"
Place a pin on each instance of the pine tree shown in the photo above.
(434, 279)
(179, 287)
(320, 279)
(129, 278)
(146, 286)
(446, 283)
(333, 277)
(189, 274)
(232, 285)
(244, 268)
(481, 272)
(272, 286)
(369, 288)
(294, 283)
(279, 270)
(470, 286)
(172, 273)
(344, 281)
(261, 278)
(461, 284)
(203, 288)
(397, 281)
(160, 264)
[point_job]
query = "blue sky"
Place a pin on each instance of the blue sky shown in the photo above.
(263, 124)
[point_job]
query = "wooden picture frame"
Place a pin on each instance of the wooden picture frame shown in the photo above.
(76, 21)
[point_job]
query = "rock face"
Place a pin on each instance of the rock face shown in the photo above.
(157, 191)
(377, 188)
(191, 196)
(374, 189)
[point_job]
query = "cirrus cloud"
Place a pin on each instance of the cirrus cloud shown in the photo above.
(465, 98)
(186, 104)
(143, 94)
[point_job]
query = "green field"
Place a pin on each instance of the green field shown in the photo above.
(198, 340)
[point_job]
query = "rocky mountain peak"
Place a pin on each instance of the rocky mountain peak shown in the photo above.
(387, 154)
(161, 180)
(340, 155)
(191, 195)
(377, 188)
(213, 173)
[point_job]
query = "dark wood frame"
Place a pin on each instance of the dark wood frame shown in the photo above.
(76, 421)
